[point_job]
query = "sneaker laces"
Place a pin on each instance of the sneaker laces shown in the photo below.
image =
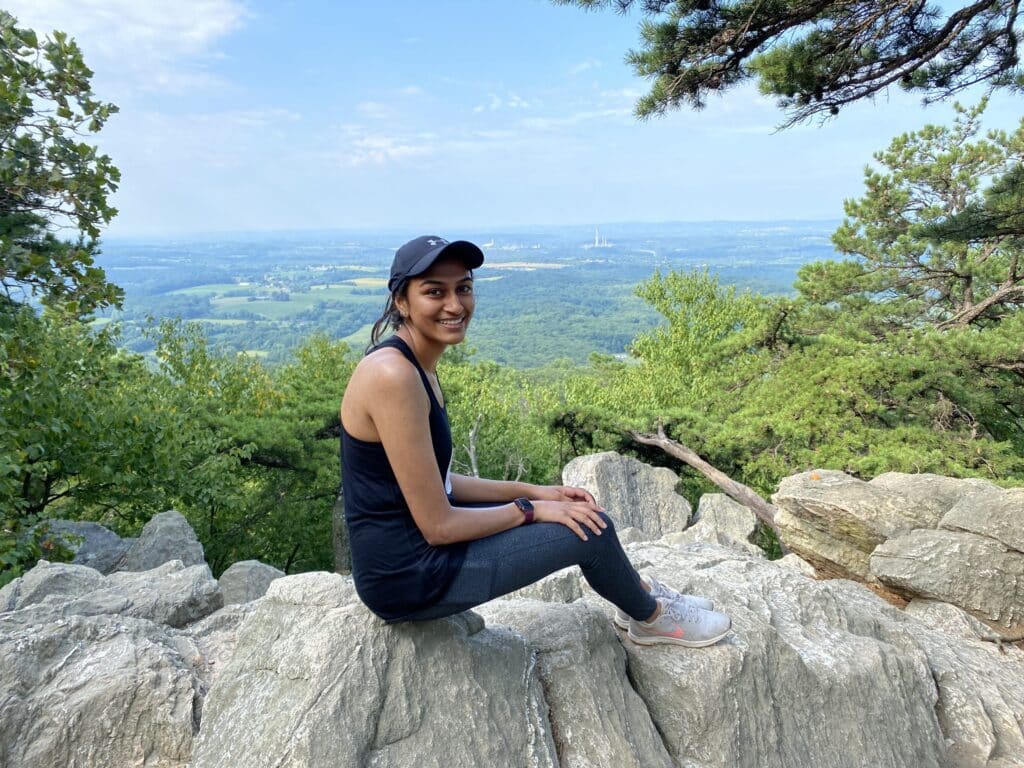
(682, 612)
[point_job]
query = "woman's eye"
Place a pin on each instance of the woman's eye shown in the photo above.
(465, 289)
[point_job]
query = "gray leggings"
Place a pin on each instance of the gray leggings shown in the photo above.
(506, 561)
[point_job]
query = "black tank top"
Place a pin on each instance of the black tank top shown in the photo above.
(396, 572)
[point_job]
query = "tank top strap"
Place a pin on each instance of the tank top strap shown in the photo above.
(397, 342)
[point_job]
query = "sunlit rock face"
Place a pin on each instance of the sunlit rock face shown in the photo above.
(146, 668)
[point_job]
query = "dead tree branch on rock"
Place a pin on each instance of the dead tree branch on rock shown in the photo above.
(764, 511)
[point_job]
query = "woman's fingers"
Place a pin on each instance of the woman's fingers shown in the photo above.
(588, 516)
(579, 516)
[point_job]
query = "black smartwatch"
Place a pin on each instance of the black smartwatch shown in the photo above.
(527, 508)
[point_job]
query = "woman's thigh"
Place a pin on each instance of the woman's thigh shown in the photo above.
(507, 561)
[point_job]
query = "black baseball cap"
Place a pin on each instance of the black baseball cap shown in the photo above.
(418, 255)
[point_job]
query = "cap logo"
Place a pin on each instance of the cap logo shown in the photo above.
(436, 241)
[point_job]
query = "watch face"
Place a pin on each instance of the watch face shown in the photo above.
(524, 504)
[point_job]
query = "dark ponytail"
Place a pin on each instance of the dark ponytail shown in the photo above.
(390, 318)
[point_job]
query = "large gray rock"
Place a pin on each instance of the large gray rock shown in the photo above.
(976, 573)
(928, 497)
(597, 718)
(720, 520)
(798, 564)
(45, 579)
(171, 594)
(86, 691)
(947, 618)
(93, 544)
(317, 680)
(167, 536)
(247, 580)
(821, 673)
(214, 637)
(632, 493)
(997, 514)
(834, 521)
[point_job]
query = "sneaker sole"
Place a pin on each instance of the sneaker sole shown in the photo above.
(620, 623)
(663, 640)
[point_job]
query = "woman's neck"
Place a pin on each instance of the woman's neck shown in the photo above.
(426, 353)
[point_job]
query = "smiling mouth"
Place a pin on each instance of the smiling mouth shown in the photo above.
(456, 323)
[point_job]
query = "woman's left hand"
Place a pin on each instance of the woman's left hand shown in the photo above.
(562, 493)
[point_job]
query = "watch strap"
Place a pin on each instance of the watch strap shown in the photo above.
(526, 507)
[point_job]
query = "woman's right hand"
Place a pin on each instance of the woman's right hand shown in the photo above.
(576, 515)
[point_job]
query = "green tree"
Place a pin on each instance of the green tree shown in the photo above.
(907, 356)
(270, 472)
(817, 56)
(50, 180)
(87, 431)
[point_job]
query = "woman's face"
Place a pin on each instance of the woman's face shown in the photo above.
(439, 303)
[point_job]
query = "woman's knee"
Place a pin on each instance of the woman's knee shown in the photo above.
(609, 523)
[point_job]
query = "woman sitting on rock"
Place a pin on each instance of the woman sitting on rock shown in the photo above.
(427, 542)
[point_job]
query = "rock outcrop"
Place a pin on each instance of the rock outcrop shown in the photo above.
(597, 718)
(167, 536)
(632, 493)
(94, 545)
(147, 669)
(822, 673)
(317, 680)
(247, 580)
(973, 572)
(93, 671)
(834, 521)
(720, 520)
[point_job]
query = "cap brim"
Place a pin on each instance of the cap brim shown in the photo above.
(470, 254)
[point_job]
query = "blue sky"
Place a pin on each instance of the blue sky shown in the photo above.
(444, 115)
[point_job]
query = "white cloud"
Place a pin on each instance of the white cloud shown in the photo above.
(140, 44)
(358, 147)
(511, 101)
(585, 65)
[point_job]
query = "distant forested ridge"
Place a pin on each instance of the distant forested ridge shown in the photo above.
(545, 295)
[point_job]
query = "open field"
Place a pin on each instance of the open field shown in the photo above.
(541, 296)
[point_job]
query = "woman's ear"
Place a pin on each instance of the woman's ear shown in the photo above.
(402, 305)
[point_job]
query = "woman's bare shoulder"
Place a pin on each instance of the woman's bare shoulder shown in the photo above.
(385, 373)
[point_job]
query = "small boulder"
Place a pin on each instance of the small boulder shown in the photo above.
(94, 545)
(997, 514)
(171, 594)
(64, 580)
(632, 493)
(167, 536)
(973, 572)
(797, 563)
(928, 497)
(834, 521)
(720, 520)
(247, 580)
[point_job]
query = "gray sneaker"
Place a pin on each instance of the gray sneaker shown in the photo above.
(681, 624)
(659, 590)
